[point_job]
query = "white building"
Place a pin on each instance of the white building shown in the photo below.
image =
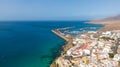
(106, 50)
(117, 57)
(86, 51)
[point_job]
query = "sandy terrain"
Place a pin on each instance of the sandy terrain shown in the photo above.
(109, 25)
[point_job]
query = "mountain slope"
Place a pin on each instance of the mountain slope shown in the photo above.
(111, 23)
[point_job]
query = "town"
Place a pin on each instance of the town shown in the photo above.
(92, 49)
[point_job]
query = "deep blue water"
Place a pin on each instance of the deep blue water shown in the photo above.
(31, 43)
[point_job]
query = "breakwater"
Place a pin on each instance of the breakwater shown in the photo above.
(61, 35)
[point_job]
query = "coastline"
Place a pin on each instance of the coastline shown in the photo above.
(65, 47)
(106, 27)
(68, 45)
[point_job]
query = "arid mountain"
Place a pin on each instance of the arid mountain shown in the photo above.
(109, 20)
(113, 18)
(111, 23)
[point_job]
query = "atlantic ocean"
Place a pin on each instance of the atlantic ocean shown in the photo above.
(31, 43)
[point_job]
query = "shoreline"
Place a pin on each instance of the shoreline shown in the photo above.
(66, 46)
(69, 42)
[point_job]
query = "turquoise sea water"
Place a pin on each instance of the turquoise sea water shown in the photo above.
(31, 43)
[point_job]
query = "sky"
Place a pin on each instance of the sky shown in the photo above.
(58, 9)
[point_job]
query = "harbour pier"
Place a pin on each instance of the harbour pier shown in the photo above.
(61, 35)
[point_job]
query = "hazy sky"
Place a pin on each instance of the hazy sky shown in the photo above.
(57, 9)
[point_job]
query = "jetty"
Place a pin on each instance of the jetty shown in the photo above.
(66, 28)
(58, 32)
(61, 35)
